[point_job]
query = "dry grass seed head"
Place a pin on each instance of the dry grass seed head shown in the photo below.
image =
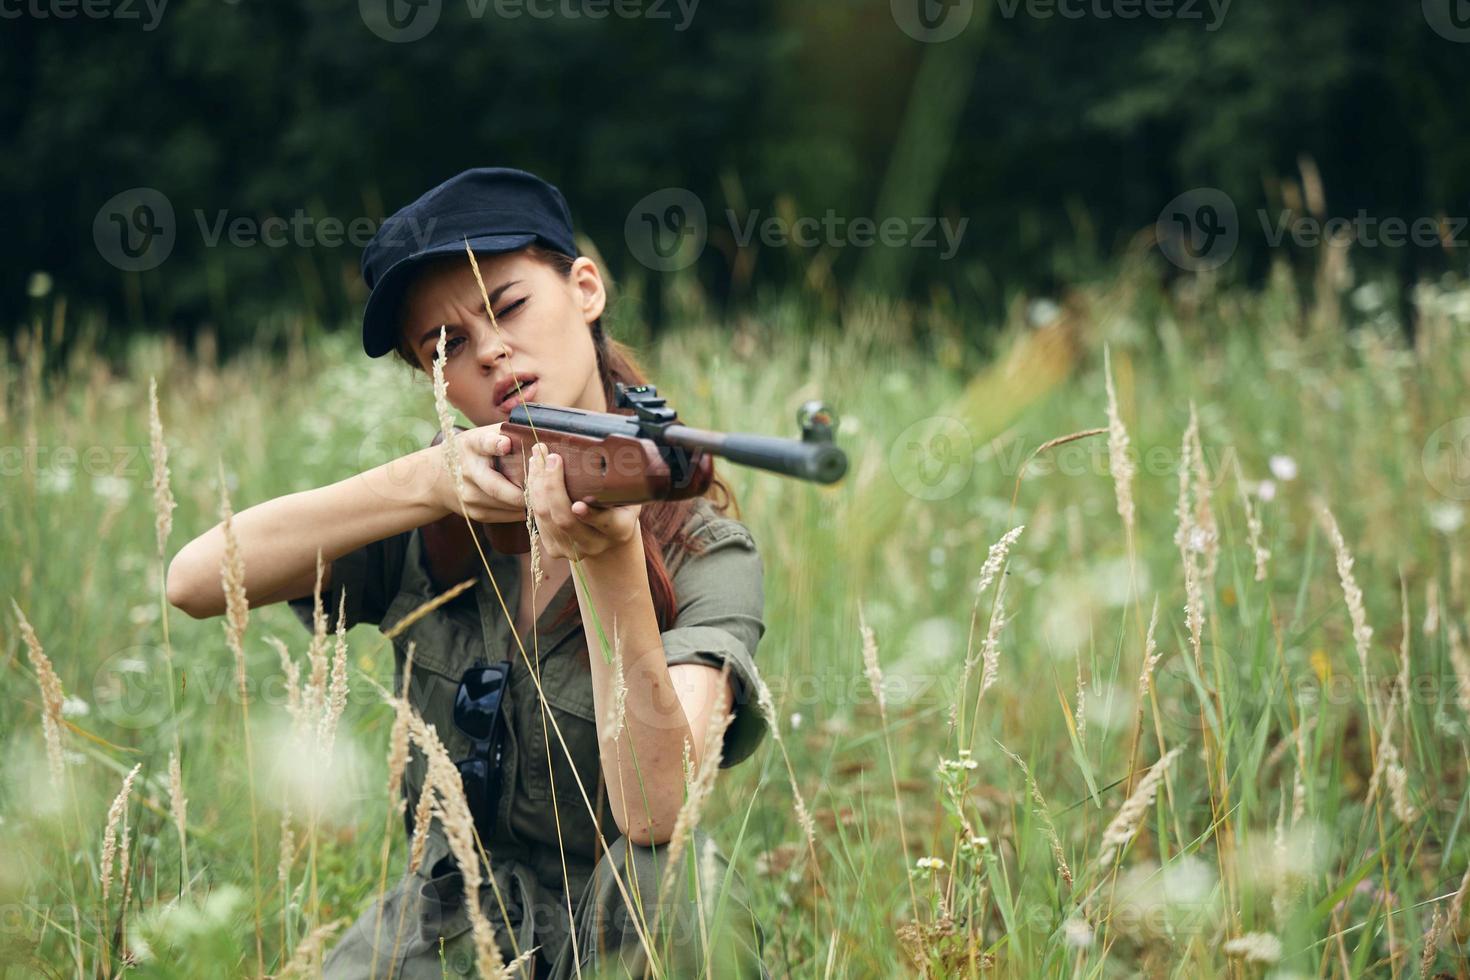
(1352, 595)
(1188, 538)
(117, 815)
(870, 662)
(337, 691)
(304, 958)
(1130, 815)
(287, 856)
(454, 816)
(990, 650)
(1119, 462)
(163, 497)
(178, 805)
(315, 694)
(52, 697)
(446, 417)
(1207, 533)
(1151, 656)
(398, 738)
(1044, 812)
(232, 577)
(292, 672)
(1253, 527)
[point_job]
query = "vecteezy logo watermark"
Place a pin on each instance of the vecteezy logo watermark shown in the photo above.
(130, 689)
(1120, 9)
(134, 230)
(386, 452)
(150, 12)
(932, 458)
(137, 230)
(401, 21)
(1450, 19)
(667, 230)
(1199, 229)
(1446, 459)
(932, 21)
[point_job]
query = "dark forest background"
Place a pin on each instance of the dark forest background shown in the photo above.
(1058, 138)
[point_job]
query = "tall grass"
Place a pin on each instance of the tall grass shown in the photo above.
(1269, 772)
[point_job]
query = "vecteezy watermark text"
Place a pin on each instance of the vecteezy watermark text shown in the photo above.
(668, 229)
(403, 21)
(1212, 12)
(149, 12)
(934, 21)
(838, 231)
(301, 230)
(1362, 229)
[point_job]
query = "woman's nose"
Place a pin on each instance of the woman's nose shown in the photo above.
(491, 348)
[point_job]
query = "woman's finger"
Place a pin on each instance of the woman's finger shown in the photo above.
(492, 483)
(540, 486)
(603, 519)
(487, 440)
(555, 493)
(545, 486)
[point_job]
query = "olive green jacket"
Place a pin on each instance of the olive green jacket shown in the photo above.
(720, 599)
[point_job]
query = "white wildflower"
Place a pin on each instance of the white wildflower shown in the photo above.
(1077, 933)
(1283, 468)
(1255, 947)
(1446, 518)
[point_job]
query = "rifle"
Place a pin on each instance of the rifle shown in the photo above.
(613, 458)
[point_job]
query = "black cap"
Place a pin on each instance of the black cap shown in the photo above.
(498, 209)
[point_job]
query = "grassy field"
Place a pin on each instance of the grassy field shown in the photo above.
(1283, 792)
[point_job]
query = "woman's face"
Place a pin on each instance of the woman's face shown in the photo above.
(544, 337)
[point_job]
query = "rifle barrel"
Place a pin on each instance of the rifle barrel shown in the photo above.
(820, 462)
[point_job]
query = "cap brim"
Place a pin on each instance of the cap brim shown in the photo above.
(380, 323)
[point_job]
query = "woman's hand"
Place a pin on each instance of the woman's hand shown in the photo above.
(488, 496)
(573, 530)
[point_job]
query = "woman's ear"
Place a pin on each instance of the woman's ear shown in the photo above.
(591, 292)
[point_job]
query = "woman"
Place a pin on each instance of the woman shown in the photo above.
(676, 587)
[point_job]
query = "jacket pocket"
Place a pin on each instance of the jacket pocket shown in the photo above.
(574, 715)
(548, 805)
(442, 643)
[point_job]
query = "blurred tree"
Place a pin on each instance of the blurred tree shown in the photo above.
(1058, 138)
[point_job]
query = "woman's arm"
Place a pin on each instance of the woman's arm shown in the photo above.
(664, 707)
(280, 538)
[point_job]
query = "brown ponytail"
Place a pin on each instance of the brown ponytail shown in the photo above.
(662, 521)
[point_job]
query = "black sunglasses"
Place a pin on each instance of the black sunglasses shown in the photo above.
(477, 714)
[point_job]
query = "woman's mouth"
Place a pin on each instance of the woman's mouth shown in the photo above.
(516, 396)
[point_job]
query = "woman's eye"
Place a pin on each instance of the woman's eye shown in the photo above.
(510, 309)
(451, 345)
